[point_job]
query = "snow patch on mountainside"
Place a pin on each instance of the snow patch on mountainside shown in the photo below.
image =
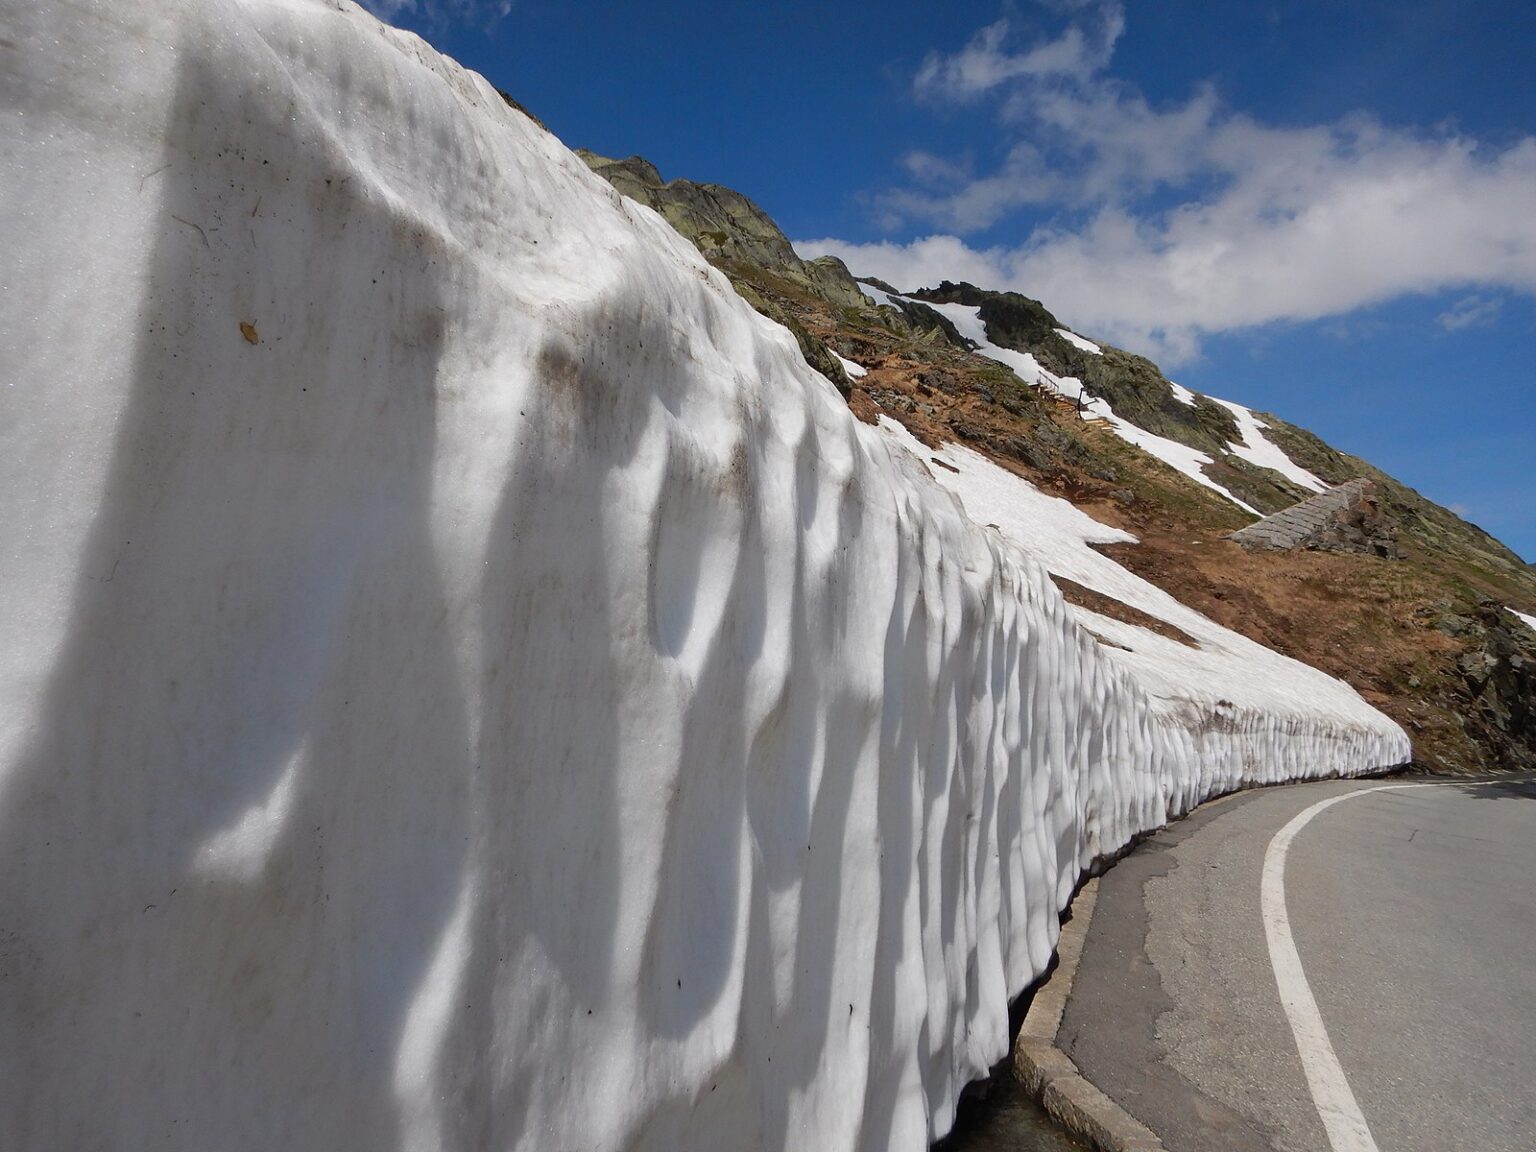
(1079, 342)
(1181, 457)
(879, 296)
(853, 369)
(465, 681)
(1530, 621)
(1256, 448)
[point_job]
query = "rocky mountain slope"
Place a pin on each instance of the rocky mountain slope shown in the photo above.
(737, 236)
(1422, 632)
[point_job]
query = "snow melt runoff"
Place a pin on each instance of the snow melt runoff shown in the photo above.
(465, 682)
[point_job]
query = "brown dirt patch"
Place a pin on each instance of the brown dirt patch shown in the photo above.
(1368, 621)
(1075, 594)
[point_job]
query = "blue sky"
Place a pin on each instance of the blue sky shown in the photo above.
(1325, 210)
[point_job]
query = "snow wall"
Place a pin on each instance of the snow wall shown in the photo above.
(464, 681)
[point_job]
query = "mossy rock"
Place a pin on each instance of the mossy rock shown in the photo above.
(726, 227)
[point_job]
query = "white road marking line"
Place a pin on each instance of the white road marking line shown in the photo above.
(1331, 1094)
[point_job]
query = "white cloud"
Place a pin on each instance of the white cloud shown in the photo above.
(970, 203)
(1268, 223)
(1470, 312)
(926, 168)
(922, 263)
(982, 64)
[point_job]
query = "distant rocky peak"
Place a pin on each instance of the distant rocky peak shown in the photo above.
(730, 230)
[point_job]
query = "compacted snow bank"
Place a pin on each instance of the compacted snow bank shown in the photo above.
(465, 682)
(1259, 715)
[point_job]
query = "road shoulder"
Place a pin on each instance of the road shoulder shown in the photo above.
(1106, 1032)
(1049, 1075)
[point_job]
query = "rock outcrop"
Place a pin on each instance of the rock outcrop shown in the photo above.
(1497, 674)
(740, 239)
(727, 227)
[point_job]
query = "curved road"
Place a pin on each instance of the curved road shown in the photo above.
(1412, 912)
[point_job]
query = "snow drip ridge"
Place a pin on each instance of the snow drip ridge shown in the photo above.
(465, 682)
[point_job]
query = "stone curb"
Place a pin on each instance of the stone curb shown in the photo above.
(1048, 1073)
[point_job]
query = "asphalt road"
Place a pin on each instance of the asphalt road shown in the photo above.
(1413, 916)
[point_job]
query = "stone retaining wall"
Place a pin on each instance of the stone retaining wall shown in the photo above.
(1347, 517)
